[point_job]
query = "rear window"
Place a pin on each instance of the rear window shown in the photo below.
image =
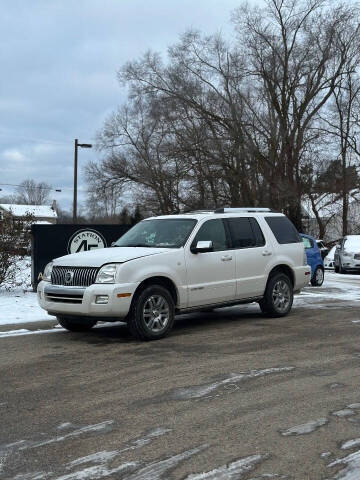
(307, 242)
(283, 230)
(245, 232)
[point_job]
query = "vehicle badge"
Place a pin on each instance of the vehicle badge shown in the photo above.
(69, 276)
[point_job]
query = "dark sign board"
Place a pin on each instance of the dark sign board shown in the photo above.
(52, 241)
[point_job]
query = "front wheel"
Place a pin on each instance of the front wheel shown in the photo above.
(318, 277)
(279, 295)
(152, 313)
(77, 324)
(341, 269)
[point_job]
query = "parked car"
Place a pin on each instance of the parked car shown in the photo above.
(314, 259)
(176, 264)
(347, 255)
(329, 259)
(323, 248)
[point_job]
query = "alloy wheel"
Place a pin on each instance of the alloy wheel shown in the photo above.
(156, 313)
(281, 296)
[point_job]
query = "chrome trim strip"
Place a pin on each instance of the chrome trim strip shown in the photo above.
(62, 290)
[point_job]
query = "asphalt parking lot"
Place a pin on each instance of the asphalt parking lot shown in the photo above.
(228, 395)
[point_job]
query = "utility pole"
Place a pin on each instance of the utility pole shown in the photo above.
(76, 145)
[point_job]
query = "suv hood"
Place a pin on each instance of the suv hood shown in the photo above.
(100, 256)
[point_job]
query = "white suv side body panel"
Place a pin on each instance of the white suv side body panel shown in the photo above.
(210, 277)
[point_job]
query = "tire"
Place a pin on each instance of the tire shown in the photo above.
(341, 269)
(318, 277)
(278, 297)
(77, 324)
(152, 313)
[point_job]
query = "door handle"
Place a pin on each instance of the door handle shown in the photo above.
(266, 253)
(226, 258)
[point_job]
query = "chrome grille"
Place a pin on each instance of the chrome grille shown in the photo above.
(82, 276)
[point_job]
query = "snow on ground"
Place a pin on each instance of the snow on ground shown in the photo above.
(18, 306)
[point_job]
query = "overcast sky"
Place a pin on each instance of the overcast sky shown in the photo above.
(59, 60)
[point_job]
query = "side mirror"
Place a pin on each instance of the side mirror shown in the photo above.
(203, 246)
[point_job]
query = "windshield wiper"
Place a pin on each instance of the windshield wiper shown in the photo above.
(135, 245)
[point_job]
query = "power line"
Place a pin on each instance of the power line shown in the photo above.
(40, 188)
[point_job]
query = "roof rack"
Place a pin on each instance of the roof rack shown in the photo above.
(244, 209)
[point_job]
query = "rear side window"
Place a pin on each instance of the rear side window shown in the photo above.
(307, 242)
(283, 230)
(245, 232)
(259, 237)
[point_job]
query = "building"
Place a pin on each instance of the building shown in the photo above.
(42, 214)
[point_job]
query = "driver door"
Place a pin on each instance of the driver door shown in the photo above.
(211, 276)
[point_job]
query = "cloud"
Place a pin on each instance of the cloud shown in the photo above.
(13, 155)
(59, 62)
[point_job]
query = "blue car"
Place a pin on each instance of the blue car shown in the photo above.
(314, 259)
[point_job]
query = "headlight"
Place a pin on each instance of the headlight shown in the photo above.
(106, 274)
(47, 272)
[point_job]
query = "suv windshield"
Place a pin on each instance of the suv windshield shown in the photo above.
(166, 233)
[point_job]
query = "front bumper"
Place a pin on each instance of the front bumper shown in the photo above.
(349, 263)
(77, 301)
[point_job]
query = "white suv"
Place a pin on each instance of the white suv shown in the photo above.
(176, 264)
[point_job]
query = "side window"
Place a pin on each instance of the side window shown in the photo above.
(283, 230)
(259, 236)
(241, 232)
(213, 230)
(307, 242)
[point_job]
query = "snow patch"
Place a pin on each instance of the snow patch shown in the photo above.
(21, 445)
(305, 428)
(98, 471)
(21, 307)
(233, 471)
(351, 444)
(22, 331)
(64, 426)
(99, 457)
(346, 412)
(141, 442)
(204, 390)
(352, 467)
(156, 470)
(325, 454)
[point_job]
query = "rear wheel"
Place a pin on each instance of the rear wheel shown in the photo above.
(152, 313)
(76, 324)
(278, 298)
(318, 277)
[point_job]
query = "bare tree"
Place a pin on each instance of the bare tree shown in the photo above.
(299, 51)
(31, 193)
(232, 125)
(342, 123)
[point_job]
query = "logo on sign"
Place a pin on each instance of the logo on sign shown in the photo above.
(85, 240)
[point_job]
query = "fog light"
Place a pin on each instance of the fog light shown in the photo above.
(102, 299)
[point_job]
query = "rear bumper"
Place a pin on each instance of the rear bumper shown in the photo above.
(302, 277)
(61, 300)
